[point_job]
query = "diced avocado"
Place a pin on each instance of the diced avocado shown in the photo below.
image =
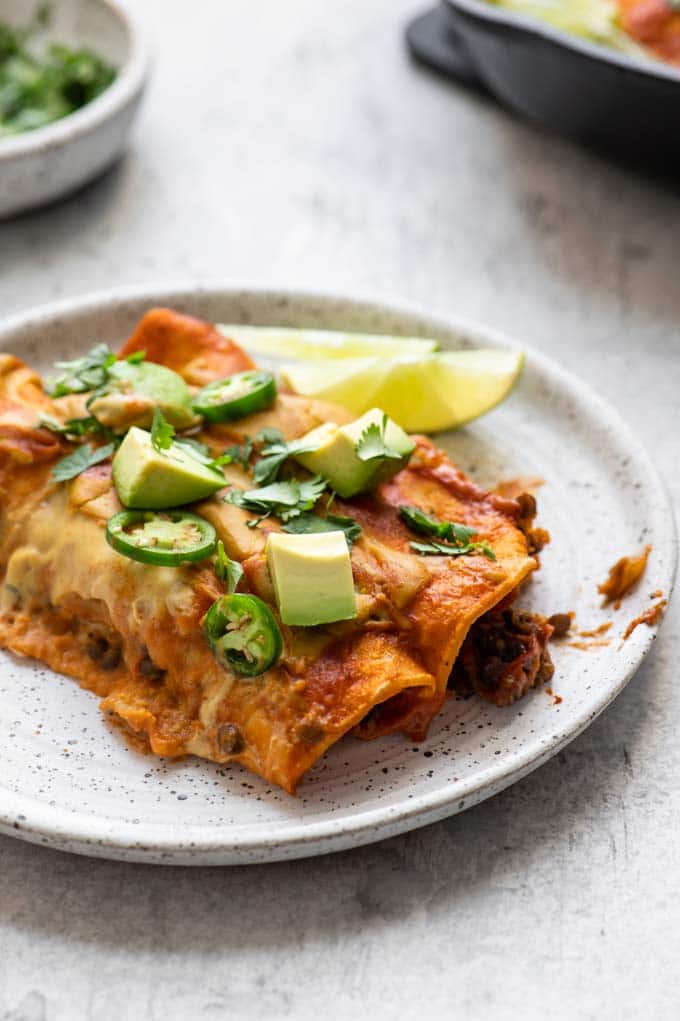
(135, 389)
(149, 479)
(312, 576)
(337, 459)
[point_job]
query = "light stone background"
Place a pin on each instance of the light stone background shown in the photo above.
(295, 144)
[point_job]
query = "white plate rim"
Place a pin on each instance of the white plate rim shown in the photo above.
(21, 816)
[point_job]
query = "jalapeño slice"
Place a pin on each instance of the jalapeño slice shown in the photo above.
(243, 634)
(236, 396)
(164, 538)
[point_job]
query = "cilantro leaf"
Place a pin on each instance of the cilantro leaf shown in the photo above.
(308, 522)
(202, 452)
(239, 455)
(76, 428)
(91, 372)
(273, 452)
(228, 571)
(267, 468)
(372, 444)
(285, 500)
(267, 436)
(162, 433)
(83, 457)
(285, 494)
(442, 549)
(82, 374)
(426, 524)
(455, 538)
(218, 462)
(311, 490)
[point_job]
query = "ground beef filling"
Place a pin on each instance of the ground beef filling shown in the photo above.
(504, 655)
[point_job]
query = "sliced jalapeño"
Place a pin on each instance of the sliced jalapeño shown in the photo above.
(239, 395)
(243, 634)
(164, 538)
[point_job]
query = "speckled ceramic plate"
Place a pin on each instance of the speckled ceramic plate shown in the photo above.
(70, 781)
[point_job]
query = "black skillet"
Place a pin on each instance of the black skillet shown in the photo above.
(626, 105)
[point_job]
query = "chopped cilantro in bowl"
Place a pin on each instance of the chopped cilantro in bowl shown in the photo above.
(41, 84)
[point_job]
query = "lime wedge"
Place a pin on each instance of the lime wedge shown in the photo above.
(281, 342)
(430, 394)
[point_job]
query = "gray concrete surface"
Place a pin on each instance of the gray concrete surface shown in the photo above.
(295, 144)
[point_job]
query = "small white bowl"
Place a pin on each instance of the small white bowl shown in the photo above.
(43, 165)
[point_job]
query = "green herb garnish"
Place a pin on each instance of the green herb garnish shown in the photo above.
(273, 452)
(443, 549)
(283, 500)
(233, 455)
(308, 522)
(202, 452)
(426, 524)
(76, 428)
(240, 455)
(91, 372)
(162, 433)
(455, 538)
(268, 436)
(83, 457)
(82, 374)
(372, 444)
(228, 571)
(39, 86)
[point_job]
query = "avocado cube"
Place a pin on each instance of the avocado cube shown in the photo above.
(133, 392)
(149, 479)
(312, 577)
(336, 457)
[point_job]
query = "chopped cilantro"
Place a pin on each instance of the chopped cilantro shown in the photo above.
(418, 521)
(455, 538)
(82, 374)
(284, 500)
(203, 453)
(76, 428)
(228, 571)
(442, 549)
(162, 433)
(273, 452)
(82, 457)
(372, 445)
(308, 522)
(39, 85)
(91, 372)
(235, 455)
(269, 435)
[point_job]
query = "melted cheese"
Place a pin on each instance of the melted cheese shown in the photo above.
(65, 552)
